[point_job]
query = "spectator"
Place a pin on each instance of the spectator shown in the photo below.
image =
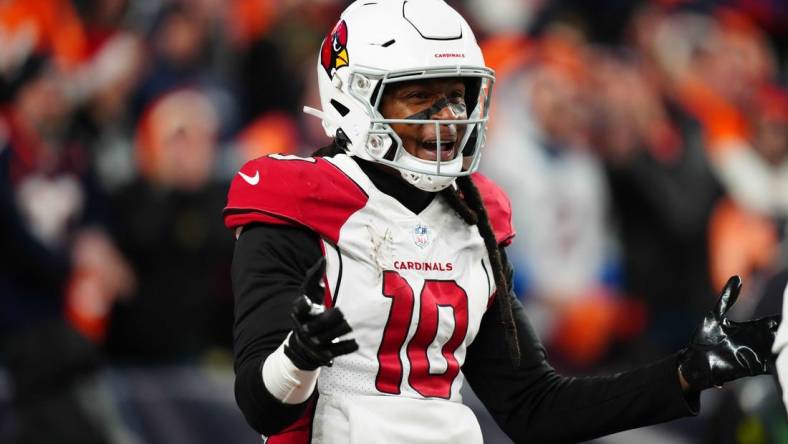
(182, 57)
(749, 224)
(180, 253)
(540, 153)
(57, 262)
(662, 193)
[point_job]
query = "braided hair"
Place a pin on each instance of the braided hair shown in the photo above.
(466, 201)
(468, 204)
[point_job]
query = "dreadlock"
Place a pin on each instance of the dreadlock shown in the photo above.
(467, 203)
(471, 209)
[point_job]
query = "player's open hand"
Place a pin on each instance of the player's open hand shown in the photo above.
(313, 343)
(722, 350)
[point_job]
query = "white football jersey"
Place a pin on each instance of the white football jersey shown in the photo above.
(413, 287)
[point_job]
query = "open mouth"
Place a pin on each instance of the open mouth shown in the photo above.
(430, 148)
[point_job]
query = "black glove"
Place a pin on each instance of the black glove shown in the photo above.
(314, 328)
(722, 350)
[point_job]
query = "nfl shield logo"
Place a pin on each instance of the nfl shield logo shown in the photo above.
(421, 235)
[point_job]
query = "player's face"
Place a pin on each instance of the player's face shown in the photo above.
(427, 99)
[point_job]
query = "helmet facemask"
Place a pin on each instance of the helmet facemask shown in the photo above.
(383, 145)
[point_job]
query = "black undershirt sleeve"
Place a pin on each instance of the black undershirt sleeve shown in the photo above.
(269, 264)
(533, 403)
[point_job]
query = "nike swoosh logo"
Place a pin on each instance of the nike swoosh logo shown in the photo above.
(251, 180)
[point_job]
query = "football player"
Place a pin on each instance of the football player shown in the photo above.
(371, 280)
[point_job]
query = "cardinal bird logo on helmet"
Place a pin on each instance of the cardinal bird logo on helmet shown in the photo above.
(333, 54)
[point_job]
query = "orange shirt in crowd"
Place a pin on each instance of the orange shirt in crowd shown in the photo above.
(53, 25)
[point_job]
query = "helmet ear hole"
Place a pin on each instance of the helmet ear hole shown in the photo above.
(341, 109)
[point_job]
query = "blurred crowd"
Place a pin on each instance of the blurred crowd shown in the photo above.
(648, 170)
(643, 143)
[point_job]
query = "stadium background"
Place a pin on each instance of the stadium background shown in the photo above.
(643, 144)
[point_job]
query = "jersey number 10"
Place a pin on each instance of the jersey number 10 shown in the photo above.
(434, 294)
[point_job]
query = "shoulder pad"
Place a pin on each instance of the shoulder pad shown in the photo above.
(291, 190)
(498, 206)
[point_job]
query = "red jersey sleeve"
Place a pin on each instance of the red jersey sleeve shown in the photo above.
(308, 192)
(498, 206)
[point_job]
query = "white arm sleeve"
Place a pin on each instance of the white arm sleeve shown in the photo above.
(779, 348)
(285, 381)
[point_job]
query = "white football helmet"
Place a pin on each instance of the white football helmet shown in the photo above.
(379, 42)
